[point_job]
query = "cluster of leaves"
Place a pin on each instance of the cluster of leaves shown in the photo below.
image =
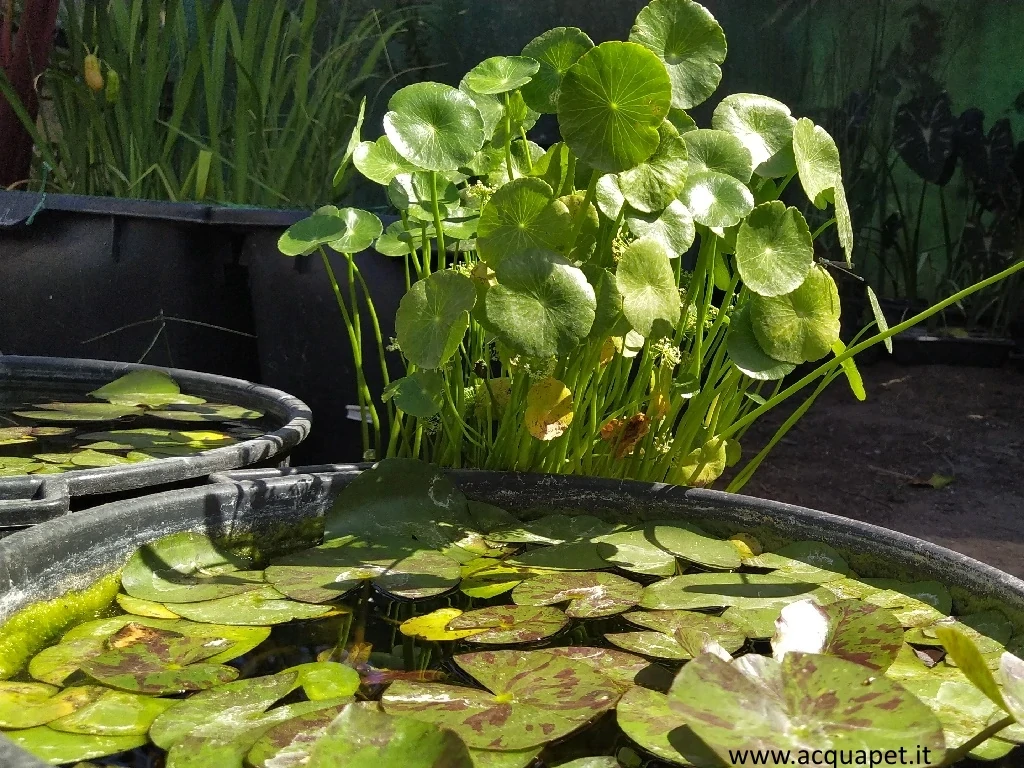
(553, 622)
(551, 325)
(136, 395)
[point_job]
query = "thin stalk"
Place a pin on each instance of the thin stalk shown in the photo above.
(958, 754)
(437, 222)
(508, 139)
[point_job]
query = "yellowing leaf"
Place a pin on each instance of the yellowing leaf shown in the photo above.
(701, 467)
(433, 626)
(746, 544)
(548, 409)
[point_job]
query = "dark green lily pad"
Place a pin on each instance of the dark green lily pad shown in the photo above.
(805, 560)
(152, 389)
(258, 607)
(722, 590)
(58, 748)
(207, 412)
(156, 440)
(187, 567)
(589, 594)
(520, 216)
(555, 51)
(848, 629)
(434, 126)
(115, 713)
(289, 744)
(552, 529)
(488, 517)
(59, 412)
(511, 624)
(636, 552)
(487, 577)
(756, 702)
(571, 556)
(146, 660)
(27, 705)
(533, 698)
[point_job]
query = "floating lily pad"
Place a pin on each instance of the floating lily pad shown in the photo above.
(97, 459)
(488, 517)
(774, 250)
(764, 125)
(146, 608)
(722, 590)
(186, 567)
(114, 713)
(964, 712)
(571, 556)
(79, 412)
(379, 161)
(207, 412)
(487, 577)
(691, 543)
(623, 669)
(16, 435)
(654, 183)
(434, 126)
(727, 634)
(510, 624)
(555, 51)
(756, 702)
(800, 326)
(805, 560)
(672, 227)
(553, 529)
(521, 215)
(657, 645)
(647, 718)
(647, 282)
(54, 665)
(848, 629)
(289, 744)
(637, 552)
(156, 440)
(259, 607)
(716, 199)
(533, 698)
(501, 74)
(27, 705)
(589, 595)
(919, 604)
(746, 353)
(612, 101)
(689, 42)
(755, 623)
(58, 748)
(152, 389)
(990, 631)
(433, 626)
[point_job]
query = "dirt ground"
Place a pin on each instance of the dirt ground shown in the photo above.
(860, 459)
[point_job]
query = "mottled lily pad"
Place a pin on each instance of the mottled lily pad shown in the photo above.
(58, 748)
(725, 632)
(657, 645)
(849, 629)
(756, 623)
(289, 744)
(990, 631)
(636, 551)
(27, 705)
(805, 560)
(589, 595)
(648, 719)
(114, 713)
(533, 698)
(623, 669)
(433, 626)
(259, 607)
(722, 590)
(510, 624)
(964, 712)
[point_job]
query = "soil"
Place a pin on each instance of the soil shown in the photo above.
(872, 461)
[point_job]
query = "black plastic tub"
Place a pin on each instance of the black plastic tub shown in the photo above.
(919, 347)
(31, 499)
(71, 552)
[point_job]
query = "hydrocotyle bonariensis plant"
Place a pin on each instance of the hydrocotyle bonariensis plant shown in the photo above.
(625, 303)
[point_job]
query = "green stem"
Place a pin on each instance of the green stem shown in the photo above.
(581, 214)
(822, 228)
(526, 143)
(437, 222)
(508, 139)
(958, 754)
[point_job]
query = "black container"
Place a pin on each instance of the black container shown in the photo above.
(30, 499)
(93, 276)
(919, 347)
(72, 552)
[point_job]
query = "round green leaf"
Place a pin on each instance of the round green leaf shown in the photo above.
(532, 698)
(259, 608)
(487, 577)
(648, 286)
(379, 161)
(609, 196)
(716, 199)
(636, 552)
(510, 624)
(689, 41)
(746, 353)
(646, 717)
(555, 51)
(433, 317)
(756, 703)
(303, 237)
(612, 101)
(434, 126)
(520, 216)
(709, 150)
(115, 713)
(723, 631)
(589, 595)
(848, 629)
(413, 193)
(681, 121)
(571, 556)
(690, 543)
(811, 561)
(207, 412)
(27, 705)
(817, 161)
(501, 74)
(655, 182)
(721, 590)
(542, 306)
(361, 229)
(420, 394)
(800, 326)
(764, 125)
(61, 412)
(149, 388)
(774, 250)
(59, 748)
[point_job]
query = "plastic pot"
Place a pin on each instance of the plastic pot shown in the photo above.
(32, 499)
(73, 551)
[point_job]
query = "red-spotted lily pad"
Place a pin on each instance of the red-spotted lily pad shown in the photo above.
(59, 748)
(809, 561)
(623, 669)
(27, 705)
(289, 744)
(661, 641)
(510, 624)
(553, 529)
(589, 594)
(755, 623)
(114, 713)
(187, 568)
(147, 660)
(259, 607)
(532, 698)
(722, 590)
(806, 701)
(362, 737)
(647, 718)
(657, 645)
(849, 629)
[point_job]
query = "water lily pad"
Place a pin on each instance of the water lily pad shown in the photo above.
(488, 517)
(720, 151)
(571, 556)
(555, 51)
(646, 717)
(673, 227)
(548, 409)
(59, 748)
(811, 561)
(553, 529)
(990, 631)
(434, 126)
(27, 705)
(186, 567)
(764, 125)
(433, 626)
(800, 326)
(964, 712)
(817, 161)
(647, 282)
(722, 590)
(379, 161)
(848, 629)
(16, 435)
(60, 412)
(612, 101)
(487, 577)
(774, 250)
(656, 645)
(624, 669)
(542, 306)
(501, 74)
(756, 623)
(93, 458)
(510, 624)
(691, 543)
(114, 713)
(289, 744)
(155, 440)
(756, 702)
(259, 607)
(433, 317)
(207, 412)
(419, 394)
(521, 215)
(533, 698)
(147, 660)
(151, 389)
(746, 353)
(147, 608)
(716, 199)
(637, 552)
(589, 595)
(727, 634)
(689, 42)
(54, 665)
(654, 183)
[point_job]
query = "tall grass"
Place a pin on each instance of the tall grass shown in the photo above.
(214, 103)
